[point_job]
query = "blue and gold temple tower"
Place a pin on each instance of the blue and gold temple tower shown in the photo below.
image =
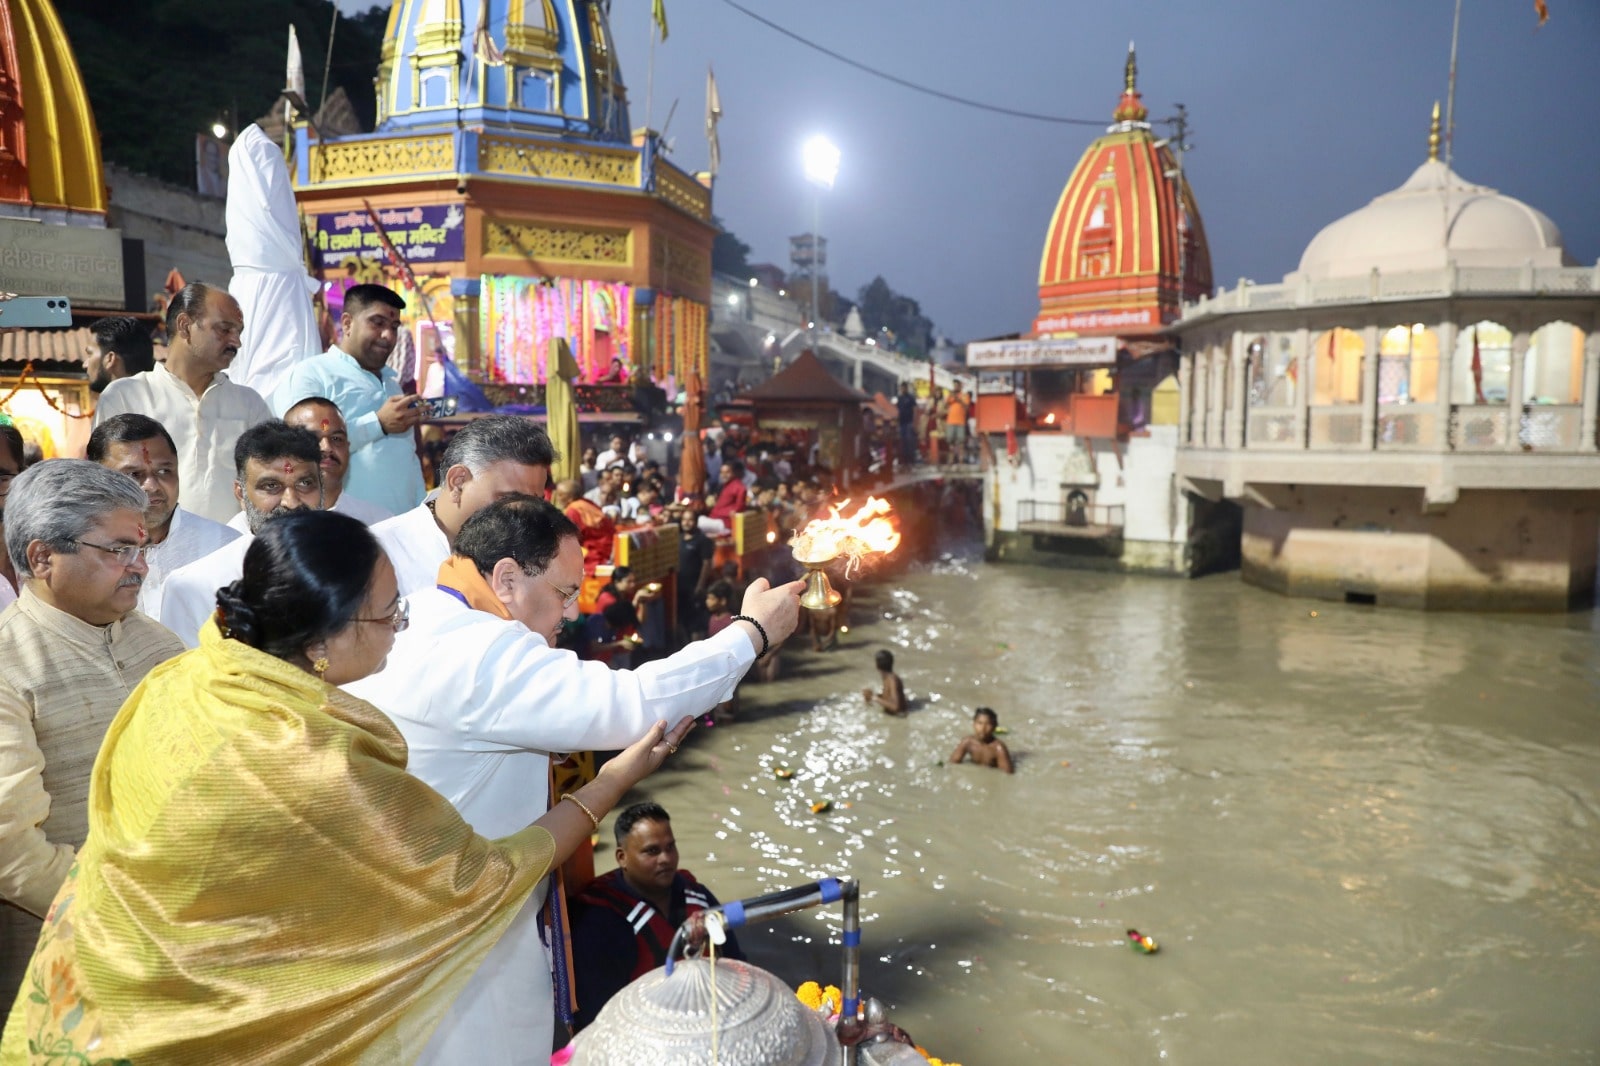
(504, 167)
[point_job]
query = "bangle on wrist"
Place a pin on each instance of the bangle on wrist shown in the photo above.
(766, 645)
(582, 807)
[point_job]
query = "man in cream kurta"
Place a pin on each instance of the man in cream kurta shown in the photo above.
(65, 676)
(483, 700)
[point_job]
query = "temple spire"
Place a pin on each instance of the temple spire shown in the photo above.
(1130, 72)
(1433, 135)
(1130, 108)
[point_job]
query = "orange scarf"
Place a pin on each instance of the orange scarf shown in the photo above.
(461, 576)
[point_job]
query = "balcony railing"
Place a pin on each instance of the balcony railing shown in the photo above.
(1407, 427)
(1271, 429)
(1070, 518)
(1552, 428)
(1336, 427)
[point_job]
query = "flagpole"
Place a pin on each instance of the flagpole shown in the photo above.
(650, 76)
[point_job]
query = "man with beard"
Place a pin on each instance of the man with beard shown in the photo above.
(355, 375)
(74, 648)
(277, 467)
(119, 347)
(140, 448)
(321, 418)
(192, 398)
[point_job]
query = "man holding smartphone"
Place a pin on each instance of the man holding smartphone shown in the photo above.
(354, 374)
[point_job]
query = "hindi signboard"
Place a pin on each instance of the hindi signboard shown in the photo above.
(1129, 318)
(82, 263)
(1022, 354)
(432, 234)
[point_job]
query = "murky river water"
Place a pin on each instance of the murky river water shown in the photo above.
(1359, 835)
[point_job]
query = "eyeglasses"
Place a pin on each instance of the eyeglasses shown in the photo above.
(398, 621)
(126, 554)
(567, 598)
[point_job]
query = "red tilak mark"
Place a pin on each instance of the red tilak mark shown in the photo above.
(288, 468)
(144, 450)
(142, 534)
(324, 425)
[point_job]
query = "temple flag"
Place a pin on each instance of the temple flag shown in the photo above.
(484, 50)
(658, 15)
(294, 76)
(713, 116)
(1542, 11)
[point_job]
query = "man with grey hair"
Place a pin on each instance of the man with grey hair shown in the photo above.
(74, 647)
(489, 459)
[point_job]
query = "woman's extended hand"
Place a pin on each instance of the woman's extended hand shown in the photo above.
(645, 755)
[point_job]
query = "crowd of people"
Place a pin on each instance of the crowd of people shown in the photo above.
(255, 671)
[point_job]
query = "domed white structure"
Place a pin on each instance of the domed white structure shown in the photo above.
(1433, 220)
(1410, 418)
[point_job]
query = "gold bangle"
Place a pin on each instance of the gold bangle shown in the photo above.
(582, 807)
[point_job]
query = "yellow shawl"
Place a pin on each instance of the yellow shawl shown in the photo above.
(262, 883)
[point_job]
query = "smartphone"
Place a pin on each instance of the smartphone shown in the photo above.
(34, 312)
(439, 406)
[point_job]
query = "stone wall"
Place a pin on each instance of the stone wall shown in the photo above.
(179, 227)
(1491, 550)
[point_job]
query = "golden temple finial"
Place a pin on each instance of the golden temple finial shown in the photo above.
(1130, 73)
(1433, 135)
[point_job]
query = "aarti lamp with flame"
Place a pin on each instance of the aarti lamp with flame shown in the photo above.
(854, 536)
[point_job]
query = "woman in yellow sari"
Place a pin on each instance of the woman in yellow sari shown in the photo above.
(263, 882)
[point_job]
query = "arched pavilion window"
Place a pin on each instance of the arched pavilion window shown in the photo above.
(1481, 368)
(1336, 367)
(1273, 374)
(1408, 365)
(1553, 370)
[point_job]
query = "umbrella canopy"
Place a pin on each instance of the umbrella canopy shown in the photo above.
(269, 274)
(692, 470)
(561, 405)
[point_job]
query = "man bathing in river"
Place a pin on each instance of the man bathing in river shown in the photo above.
(983, 746)
(893, 697)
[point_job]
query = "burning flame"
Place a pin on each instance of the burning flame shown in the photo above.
(853, 536)
(772, 537)
(1050, 419)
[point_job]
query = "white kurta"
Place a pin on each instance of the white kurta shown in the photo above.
(416, 546)
(205, 428)
(189, 537)
(482, 702)
(189, 595)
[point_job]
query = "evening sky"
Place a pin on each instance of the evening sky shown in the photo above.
(1300, 113)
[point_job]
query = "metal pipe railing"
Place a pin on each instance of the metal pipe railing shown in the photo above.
(742, 912)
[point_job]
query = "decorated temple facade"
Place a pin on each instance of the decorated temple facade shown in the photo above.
(1082, 406)
(504, 170)
(1409, 418)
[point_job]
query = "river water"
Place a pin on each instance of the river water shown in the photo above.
(1358, 835)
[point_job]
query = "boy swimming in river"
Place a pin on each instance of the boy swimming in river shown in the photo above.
(893, 697)
(983, 746)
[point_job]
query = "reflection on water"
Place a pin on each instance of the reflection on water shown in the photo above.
(1359, 835)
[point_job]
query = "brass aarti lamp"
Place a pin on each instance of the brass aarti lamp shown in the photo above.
(825, 539)
(820, 595)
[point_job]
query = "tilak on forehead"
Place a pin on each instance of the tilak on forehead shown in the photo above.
(288, 468)
(324, 425)
(144, 450)
(142, 533)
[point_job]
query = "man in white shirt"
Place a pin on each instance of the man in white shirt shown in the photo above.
(140, 448)
(277, 473)
(483, 698)
(321, 418)
(619, 452)
(355, 375)
(488, 459)
(192, 398)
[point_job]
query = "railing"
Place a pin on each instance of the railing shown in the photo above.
(1271, 429)
(1400, 285)
(1407, 427)
(1070, 514)
(1552, 427)
(1336, 427)
(1478, 428)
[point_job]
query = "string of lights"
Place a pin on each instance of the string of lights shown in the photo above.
(913, 86)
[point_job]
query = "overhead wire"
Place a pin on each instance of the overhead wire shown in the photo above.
(906, 84)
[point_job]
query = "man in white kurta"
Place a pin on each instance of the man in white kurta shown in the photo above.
(483, 699)
(490, 458)
(193, 399)
(141, 448)
(279, 474)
